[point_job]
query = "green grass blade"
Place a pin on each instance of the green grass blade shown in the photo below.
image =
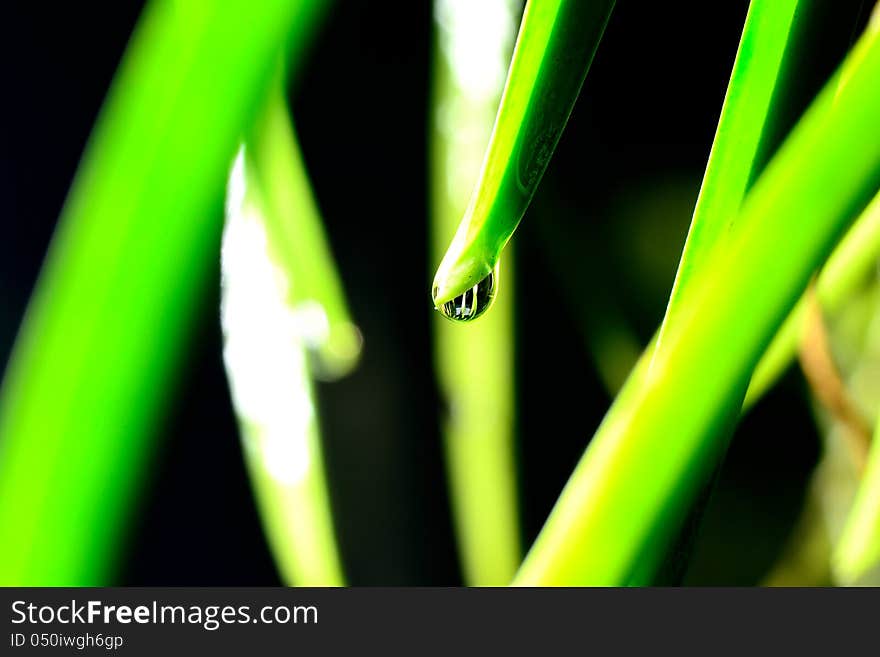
(740, 140)
(470, 63)
(268, 323)
(96, 355)
(556, 43)
(663, 436)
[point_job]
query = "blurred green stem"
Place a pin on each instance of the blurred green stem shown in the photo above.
(271, 318)
(98, 353)
(300, 247)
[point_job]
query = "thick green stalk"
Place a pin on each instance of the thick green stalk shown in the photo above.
(270, 319)
(474, 41)
(556, 43)
(98, 351)
(664, 435)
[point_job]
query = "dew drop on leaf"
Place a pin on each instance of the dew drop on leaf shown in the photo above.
(474, 301)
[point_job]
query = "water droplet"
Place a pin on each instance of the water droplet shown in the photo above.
(474, 301)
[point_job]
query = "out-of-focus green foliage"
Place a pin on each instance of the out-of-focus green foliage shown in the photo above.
(857, 559)
(856, 541)
(95, 358)
(835, 540)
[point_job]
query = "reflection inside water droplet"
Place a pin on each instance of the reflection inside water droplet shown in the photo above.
(474, 301)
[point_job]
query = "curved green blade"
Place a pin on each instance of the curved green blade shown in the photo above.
(556, 43)
(97, 354)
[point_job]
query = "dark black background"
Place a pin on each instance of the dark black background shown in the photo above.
(627, 172)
